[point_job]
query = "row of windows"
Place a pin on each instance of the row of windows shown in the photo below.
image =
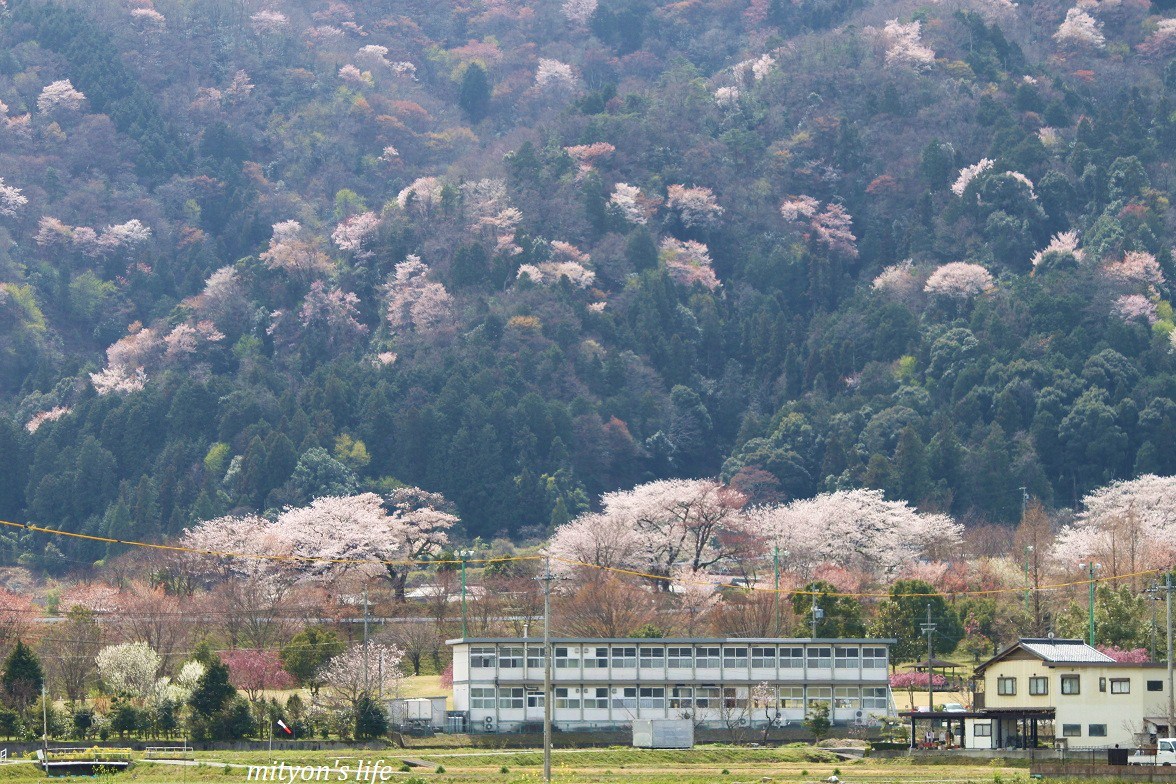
(681, 658)
(1070, 684)
(684, 697)
(984, 730)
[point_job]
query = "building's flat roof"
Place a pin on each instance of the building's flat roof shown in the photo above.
(675, 640)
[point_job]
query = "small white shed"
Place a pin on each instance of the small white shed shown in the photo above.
(663, 734)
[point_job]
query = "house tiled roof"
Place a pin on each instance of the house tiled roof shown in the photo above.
(1065, 651)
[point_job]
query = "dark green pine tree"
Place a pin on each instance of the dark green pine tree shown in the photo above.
(23, 676)
(474, 94)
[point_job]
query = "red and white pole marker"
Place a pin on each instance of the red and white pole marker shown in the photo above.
(282, 724)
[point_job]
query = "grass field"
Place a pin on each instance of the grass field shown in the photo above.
(703, 765)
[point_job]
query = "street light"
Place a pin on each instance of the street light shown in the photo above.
(1091, 566)
(464, 555)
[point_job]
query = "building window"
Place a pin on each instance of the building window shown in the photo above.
(596, 658)
(535, 658)
(482, 698)
(1071, 730)
(652, 658)
(565, 698)
(982, 729)
(510, 658)
(482, 658)
(763, 658)
(1006, 687)
(817, 695)
(567, 658)
(625, 699)
(652, 697)
(596, 698)
(511, 698)
(792, 658)
(1102, 685)
(735, 658)
(845, 658)
(1120, 685)
(680, 658)
(874, 658)
(1038, 686)
(846, 697)
(791, 697)
(707, 658)
(820, 658)
(1096, 730)
(1071, 684)
(535, 699)
(1155, 685)
(763, 697)
(875, 699)
(681, 697)
(624, 658)
(706, 697)
(735, 697)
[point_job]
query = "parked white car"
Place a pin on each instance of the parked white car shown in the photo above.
(1165, 754)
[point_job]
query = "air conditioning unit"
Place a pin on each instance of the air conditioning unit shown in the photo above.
(859, 714)
(488, 722)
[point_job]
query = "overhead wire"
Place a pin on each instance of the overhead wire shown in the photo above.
(651, 576)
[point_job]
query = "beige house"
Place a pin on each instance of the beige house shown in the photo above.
(1063, 691)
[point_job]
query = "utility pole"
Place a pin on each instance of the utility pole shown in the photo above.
(547, 578)
(929, 630)
(367, 686)
(1091, 566)
(1171, 696)
(776, 590)
(464, 556)
(818, 614)
(45, 720)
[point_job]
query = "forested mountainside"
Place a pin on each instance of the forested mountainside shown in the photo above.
(522, 252)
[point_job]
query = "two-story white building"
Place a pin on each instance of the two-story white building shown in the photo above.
(607, 683)
(1040, 691)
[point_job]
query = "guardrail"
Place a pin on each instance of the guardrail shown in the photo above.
(169, 752)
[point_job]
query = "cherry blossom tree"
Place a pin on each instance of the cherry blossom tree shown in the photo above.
(696, 206)
(185, 339)
(586, 155)
(1080, 30)
(126, 362)
(371, 668)
(351, 233)
(1162, 40)
(1128, 520)
(832, 228)
(959, 280)
(295, 252)
(416, 303)
(422, 195)
(688, 262)
(352, 75)
(11, 200)
(148, 17)
(256, 672)
(795, 208)
(550, 272)
(1137, 269)
(552, 76)
(129, 669)
(1136, 307)
(855, 529)
(1125, 656)
(51, 415)
(755, 70)
(579, 11)
(628, 202)
(902, 44)
(898, 279)
(60, 96)
(1062, 247)
(969, 173)
(269, 22)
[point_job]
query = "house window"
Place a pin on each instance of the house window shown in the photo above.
(1071, 684)
(763, 658)
(567, 658)
(625, 698)
(846, 658)
(510, 658)
(482, 697)
(820, 658)
(681, 697)
(482, 658)
(791, 697)
(874, 698)
(707, 658)
(1071, 730)
(624, 658)
(1038, 685)
(874, 658)
(1102, 685)
(982, 729)
(792, 658)
(596, 658)
(653, 697)
(1155, 685)
(511, 698)
(535, 699)
(735, 658)
(1120, 685)
(596, 698)
(535, 658)
(653, 658)
(1006, 687)
(680, 658)
(564, 698)
(706, 697)
(1096, 730)
(846, 697)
